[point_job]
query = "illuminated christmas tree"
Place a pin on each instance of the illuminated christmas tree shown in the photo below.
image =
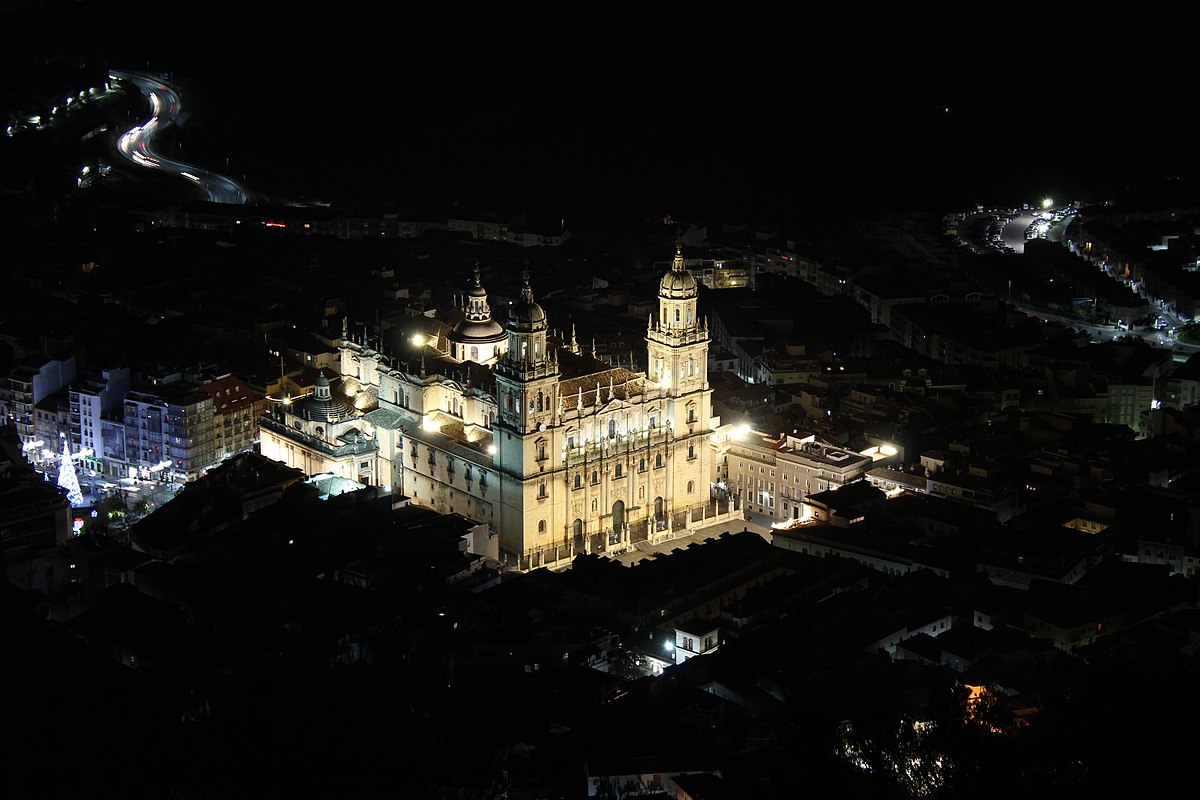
(67, 478)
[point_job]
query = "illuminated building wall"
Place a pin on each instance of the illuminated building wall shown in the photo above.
(774, 476)
(169, 433)
(559, 451)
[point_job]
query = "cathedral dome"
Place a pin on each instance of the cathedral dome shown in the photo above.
(469, 330)
(525, 314)
(678, 283)
(477, 325)
(321, 404)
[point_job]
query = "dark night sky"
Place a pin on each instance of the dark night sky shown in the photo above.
(668, 108)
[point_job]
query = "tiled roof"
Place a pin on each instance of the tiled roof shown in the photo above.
(625, 384)
(386, 419)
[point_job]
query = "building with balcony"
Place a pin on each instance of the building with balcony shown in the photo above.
(168, 433)
(236, 410)
(29, 385)
(96, 415)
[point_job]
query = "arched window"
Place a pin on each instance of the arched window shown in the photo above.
(542, 489)
(691, 451)
(617, 471)
(641, 465)
(539, 406)
(595, 476)
(677, 317)
(658, 460)
(541, 526)
(578, 480)
(612, 429)
(691, 487)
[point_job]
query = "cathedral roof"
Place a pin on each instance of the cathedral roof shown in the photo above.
(386, 419)
(465, 373)
(622, 383)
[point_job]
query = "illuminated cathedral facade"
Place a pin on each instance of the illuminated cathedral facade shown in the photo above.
(559, 451)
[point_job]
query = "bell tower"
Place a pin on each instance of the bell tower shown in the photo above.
(527, 375)
(677, 342)
(677, 369)
(526, 430)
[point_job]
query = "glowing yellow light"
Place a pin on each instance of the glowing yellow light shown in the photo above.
(491, 448)
(740, 431)
(430, 424)
(888, 450)
(1047, 203)
(418, 340)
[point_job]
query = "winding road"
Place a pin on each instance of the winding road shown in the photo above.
(135, 143)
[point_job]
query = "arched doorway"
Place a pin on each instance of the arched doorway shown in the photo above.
(618, 515)
(660, 514)
(577, 536)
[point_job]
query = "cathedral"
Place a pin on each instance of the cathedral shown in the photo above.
(558, 451)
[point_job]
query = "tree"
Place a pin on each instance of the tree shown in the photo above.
(67, 479)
